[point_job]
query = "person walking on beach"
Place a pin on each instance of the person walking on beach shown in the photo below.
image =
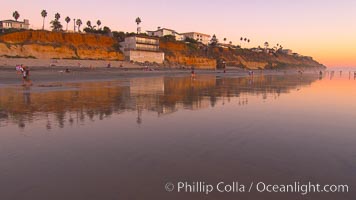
(26, 76)
(193, 72)
(19, 69)
(320, 75)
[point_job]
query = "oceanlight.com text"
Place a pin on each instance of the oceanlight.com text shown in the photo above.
(260, 187)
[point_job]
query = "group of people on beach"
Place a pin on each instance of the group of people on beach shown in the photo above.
(25, 72)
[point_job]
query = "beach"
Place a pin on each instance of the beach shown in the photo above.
(54, 71)
(116, 134)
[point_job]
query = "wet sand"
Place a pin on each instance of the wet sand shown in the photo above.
(41, 75)
(127, 139)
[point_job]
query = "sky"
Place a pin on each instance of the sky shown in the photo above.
(323, 29)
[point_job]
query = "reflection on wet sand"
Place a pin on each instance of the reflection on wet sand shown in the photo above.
(287, 128)
(62, 105)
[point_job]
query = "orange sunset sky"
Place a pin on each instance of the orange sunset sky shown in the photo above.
(323, 29)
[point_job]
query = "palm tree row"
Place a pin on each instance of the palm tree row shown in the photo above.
(278, 46)
(56, 25)
(244, 40)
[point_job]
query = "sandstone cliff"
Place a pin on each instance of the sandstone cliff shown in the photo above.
(178, 53)
(246, 58)
(47, 45)
(200, 55)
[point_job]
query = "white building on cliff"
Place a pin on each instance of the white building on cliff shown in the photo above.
(142, 49)
(7, 24)
(161, 32)
(200, 37)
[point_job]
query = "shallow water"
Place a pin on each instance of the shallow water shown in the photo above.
(126, 139)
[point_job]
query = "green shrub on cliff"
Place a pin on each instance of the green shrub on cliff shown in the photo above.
(11, 30)
(191, 40)
(119, 36)
(56, 24)
(169, 38)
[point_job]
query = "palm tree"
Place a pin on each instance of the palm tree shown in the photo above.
(44, 15)
(89, 24)
(214, 40)
(16, 15)
(138, 22)
(245, 39)
(79, 23)
(225, 40)
(56, 24)
(266, 45)
(67, 19)
(57, 16)
(98, 23)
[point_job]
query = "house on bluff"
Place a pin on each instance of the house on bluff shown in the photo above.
(140, 48)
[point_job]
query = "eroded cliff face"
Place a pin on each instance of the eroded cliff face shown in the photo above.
(178, 53)
(47, 45)
(197, 62)
(260, 60)
(59, 45)
(199, 55)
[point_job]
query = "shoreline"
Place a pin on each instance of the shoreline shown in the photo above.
(49, 71)
(48, 75)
